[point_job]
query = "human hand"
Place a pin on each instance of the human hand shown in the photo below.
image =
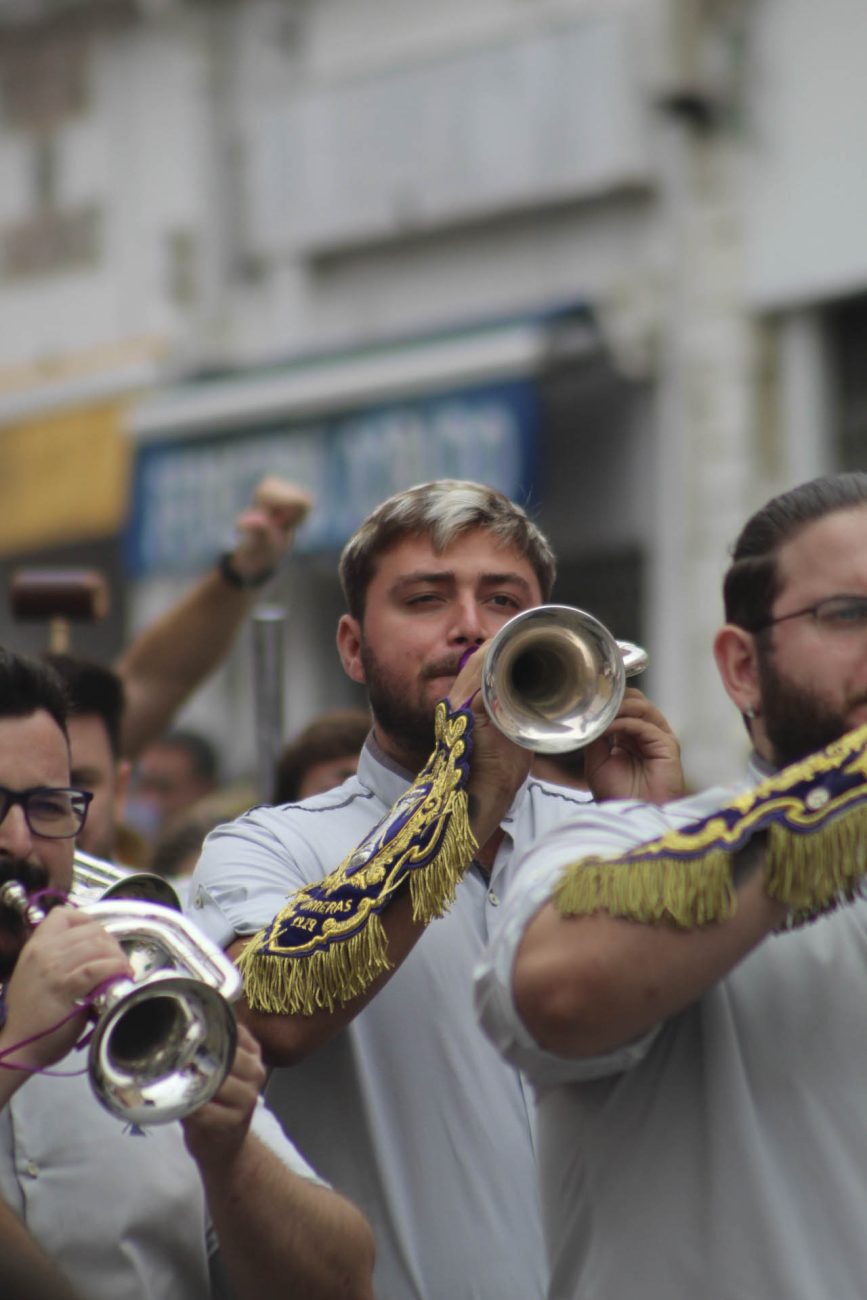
(215, 1133)
(498, 767)
(638, 757)
(68, 955)
(266, 528)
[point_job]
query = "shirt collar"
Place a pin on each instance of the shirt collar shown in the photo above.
(761, 768)
(380, 773)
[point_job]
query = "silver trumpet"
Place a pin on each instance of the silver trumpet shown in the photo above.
(554, 678)
(164, 1040)
(95, 880)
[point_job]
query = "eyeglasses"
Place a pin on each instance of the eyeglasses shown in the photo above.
(55, 814)
(835, 614)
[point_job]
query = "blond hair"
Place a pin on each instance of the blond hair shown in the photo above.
(442, 510)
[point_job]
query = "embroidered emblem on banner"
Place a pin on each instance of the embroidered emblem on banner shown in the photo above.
(328, 944)
(813, 814)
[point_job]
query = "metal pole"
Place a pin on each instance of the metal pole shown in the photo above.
(269, 622)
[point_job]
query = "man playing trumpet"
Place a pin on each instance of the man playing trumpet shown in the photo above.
(393, 1091)
(127, 1217)
(683, 984)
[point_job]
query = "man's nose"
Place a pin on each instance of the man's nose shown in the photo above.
(16, 838)
(467, 625)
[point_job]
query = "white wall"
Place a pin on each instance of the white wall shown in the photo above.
(200, 126)
(805, 110)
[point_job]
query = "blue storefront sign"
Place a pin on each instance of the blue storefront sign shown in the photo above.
(186, 492)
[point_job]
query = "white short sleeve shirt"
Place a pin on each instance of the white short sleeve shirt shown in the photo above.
(725, 1154)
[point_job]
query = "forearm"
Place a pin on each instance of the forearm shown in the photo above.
(286, 1039)
(25, 1272)
(282, 1234)
(171, 657)
(585, 985)
(10, 1080)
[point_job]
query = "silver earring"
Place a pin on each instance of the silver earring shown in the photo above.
(750, 712)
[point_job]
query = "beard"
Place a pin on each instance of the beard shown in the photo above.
(408, 723)
(14, 929)
(797, 722)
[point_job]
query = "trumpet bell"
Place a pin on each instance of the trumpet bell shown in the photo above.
(164, 1040)
(554, 678)
(162, 1050)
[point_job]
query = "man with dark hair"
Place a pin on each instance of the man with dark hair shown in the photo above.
(392, 1086)
(702, 1113)
(126, 1218)
(95, 702)
(323, 755)
(28, 687)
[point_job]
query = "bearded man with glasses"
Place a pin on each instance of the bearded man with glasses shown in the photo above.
(125, 1216)
(701, 1077)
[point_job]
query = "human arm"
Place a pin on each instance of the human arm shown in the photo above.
(638, 757)
(26, 1273)
(585, 986)
(613, 928)
(286, 1038)
(68, 955)
(171, 657)
(278, 1231)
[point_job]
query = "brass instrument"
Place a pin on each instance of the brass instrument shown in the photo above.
(554, 678)
(95, 880)
(165, 1039)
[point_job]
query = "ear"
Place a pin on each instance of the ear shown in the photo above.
(737, 661)
(349, 640)
(122, 772)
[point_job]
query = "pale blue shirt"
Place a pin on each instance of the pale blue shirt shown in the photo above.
(724, 1155)
(124, 1217)
(409, 1110)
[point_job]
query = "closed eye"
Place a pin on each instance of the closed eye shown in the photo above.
(49, 807)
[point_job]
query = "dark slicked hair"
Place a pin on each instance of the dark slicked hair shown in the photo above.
(91, 688)
(752, 582)
(28, 686)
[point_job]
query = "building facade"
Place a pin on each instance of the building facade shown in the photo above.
(604, 255)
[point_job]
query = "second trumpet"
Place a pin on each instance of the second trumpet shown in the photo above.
(554, 678)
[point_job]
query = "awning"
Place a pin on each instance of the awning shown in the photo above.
(65, 478)
(319, 384)
(351, 428)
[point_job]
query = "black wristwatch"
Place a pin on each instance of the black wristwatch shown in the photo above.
(228, 572)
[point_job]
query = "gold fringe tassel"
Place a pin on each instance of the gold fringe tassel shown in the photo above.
(687, 893)
(320, 981)
(810, 872)
(341, 972)
(817, 872)
(432, 889)
(433, 847)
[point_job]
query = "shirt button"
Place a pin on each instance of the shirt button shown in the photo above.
(31, 1168)
(493, 898)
